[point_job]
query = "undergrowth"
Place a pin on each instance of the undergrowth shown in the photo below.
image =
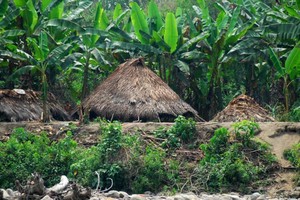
(293, 155)
(233, 160)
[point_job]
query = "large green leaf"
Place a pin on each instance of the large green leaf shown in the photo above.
(67, 24)
(83, 6)
(44, 4)
(193, 41)
(154, 15)
(276, 62)
(13, 33)
(298, 4)
(204, 14)
(234, 18)
(184, 67)
(43, 44)
(30, 16)
(3, 7)
(55, 56)
(171, 32)
(292, 63)
(135, 47)
(20, 3)
(139, 22)
(101, 21)
(97, 22)
(117, 11)
(57, 11)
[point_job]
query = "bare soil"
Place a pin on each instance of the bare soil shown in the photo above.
(280, 136)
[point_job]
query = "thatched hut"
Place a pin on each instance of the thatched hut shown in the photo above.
(134, 93)
(26, 105)
(241, 108)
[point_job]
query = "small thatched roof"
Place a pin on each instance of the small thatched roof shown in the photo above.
(133, 92)
(26, 105)
(241, 108)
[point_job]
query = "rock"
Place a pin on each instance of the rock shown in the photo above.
(46, 198)
(10, 192)
(123, 195)
(189, 196)
(262, 197)
(113, 194)
(231, 196)
(94, 198)
(254, 196)
(5, 195)
(137, 197)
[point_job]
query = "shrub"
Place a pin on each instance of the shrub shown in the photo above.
(102, 158)
(293, 155)
(152, 175)
(182, 132)
(25, 153)
(229, 161)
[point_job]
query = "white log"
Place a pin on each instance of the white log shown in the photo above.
(64, 181)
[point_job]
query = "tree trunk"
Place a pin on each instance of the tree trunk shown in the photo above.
(85, 77)
(45, 115)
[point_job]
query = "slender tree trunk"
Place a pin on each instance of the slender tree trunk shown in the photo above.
(45, 116)
(286, 94)
(84, 91)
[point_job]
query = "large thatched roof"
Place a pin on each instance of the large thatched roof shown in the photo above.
(243, 107)
(26, 105)
(133, 92)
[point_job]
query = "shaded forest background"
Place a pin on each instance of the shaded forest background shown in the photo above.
(207, 51)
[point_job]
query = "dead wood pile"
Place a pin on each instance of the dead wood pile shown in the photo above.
(26, 105)
(241, 108)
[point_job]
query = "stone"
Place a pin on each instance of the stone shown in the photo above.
(10, 192)
(113, 194)
(254, 196)
(5, 195)
(137, 197)
(123, 195)
(94, 198)
(46, 198)
(262, 197)
(185, 197)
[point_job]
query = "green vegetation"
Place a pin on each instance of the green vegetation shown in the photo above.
(208, 52)
(293, 155)
(25, 153)
(234, 161)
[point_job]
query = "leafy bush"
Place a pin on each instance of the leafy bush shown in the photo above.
(102, 158)
(233, 161)
(152, 176)
(25, 153)
(182, 132)
(293, 155)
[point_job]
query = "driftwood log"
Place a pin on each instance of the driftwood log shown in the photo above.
(35, 190)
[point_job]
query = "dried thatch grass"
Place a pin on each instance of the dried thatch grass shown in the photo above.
(133, 92)
(243, 107)
(26, 105)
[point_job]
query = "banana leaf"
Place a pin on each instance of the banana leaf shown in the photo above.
(171, 32)
(154, 14)
(292, 63)
(139, 22)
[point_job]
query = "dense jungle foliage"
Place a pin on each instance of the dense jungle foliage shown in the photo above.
(233, 161)
(207, 51)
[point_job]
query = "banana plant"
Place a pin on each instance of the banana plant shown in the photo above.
(289, 71)
(225, 31)
(87, 42)
(41, 59)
